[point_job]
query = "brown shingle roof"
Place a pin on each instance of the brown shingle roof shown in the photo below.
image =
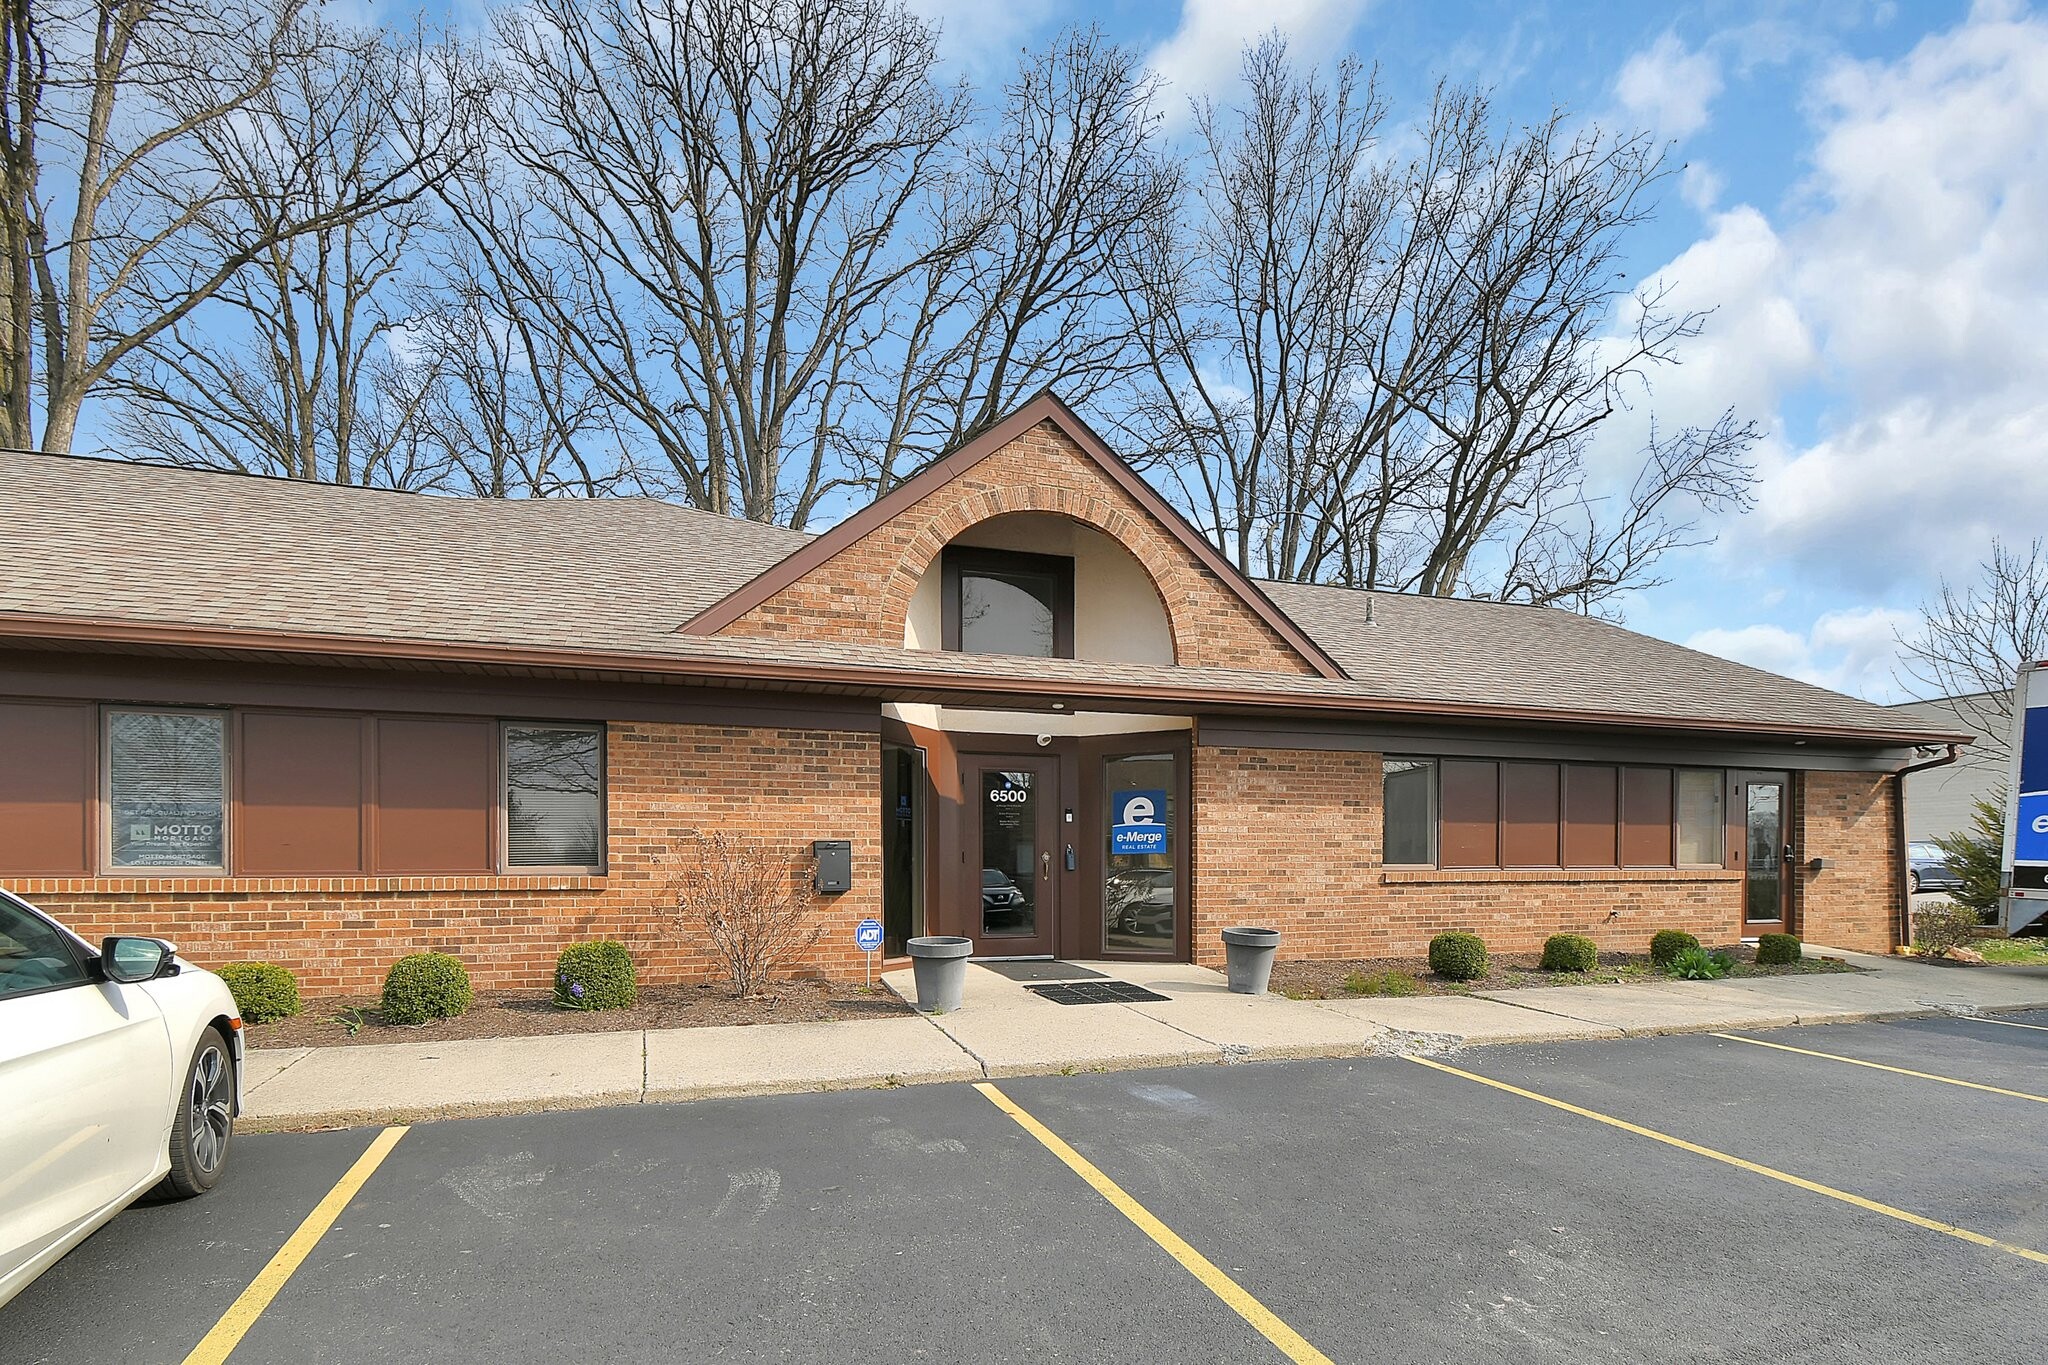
(142, 547)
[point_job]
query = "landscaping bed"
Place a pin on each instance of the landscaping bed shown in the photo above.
(531, 1013)
(1383, 976)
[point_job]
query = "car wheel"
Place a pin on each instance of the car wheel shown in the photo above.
(1913, 881)
(206, 1119)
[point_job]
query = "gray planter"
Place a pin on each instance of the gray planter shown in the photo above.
(1249, 956)
(940, 964)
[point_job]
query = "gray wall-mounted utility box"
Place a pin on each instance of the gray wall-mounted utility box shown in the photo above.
(835, 865)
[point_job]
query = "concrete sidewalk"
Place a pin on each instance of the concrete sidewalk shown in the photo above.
(1005, 1030)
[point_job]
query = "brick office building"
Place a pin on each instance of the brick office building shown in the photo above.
(328, 726)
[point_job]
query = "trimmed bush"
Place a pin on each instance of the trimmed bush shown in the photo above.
(595, 976)
(1458, 956)
(1667, 944)
(1570, 953)
(1381, 983)
(1775, 950)
(263, 991)
(424, 986)
(1697, 964)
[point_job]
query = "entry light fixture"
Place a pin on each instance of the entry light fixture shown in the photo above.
(1059, 706)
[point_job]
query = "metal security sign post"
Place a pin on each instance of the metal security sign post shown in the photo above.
(867, 936)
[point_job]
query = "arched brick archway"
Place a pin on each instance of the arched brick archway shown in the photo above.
(988, 504)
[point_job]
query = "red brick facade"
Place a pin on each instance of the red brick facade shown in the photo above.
(1291, 839)
(340, 934)
(863, 593)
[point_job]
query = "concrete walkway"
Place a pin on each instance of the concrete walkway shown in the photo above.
(1004, 1030)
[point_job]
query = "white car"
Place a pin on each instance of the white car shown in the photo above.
(120, 1069)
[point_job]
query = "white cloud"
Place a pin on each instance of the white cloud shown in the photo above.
(1669, 86)
(1852, 651)
(1887, 325)
(1204, 52)
(979, 33)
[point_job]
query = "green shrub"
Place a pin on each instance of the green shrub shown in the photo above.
(263, 991)
(1381, 983)
(1458, 956)
(1941, 929)
(423, 986)
(1776, 950)
(1697, 964)
(1570, 953)
(595, 976)
(1667, 944)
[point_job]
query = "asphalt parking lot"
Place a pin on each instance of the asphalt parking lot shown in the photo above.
(1672, 1199)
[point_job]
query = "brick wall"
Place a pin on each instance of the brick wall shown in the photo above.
(1291, 840)
(1849, 818)
(342, 933)
(863, 593)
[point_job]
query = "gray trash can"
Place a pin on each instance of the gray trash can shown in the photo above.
(940, 965)
(1249, 956)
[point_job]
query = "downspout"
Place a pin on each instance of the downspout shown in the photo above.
(1899, 831)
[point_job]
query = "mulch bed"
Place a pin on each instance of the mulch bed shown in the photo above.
(1325, 980)
(530, 1014)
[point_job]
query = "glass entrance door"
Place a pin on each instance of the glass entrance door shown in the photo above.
(1141, 854)
(1013, 835)
(1766, 851)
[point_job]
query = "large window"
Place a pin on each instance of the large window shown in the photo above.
(1004, 602)
(554, 796)
(1465, 812)
(167, 790)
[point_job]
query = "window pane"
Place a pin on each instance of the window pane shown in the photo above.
(1702, 831)
(166, 791)
(1646, 817)
(1471, 813)
(1138, 901)
(33, 956)
(554, 809)
(1007, 612)
(1411, 811)
(1589, 815)
(1529, 814)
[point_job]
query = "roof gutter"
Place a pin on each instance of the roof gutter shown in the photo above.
(1955, 751)
(935, 682)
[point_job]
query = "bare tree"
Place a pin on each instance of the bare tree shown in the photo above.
(1388, 372)
(751, 901)
(1018, 293)
(707, 201)
(1974, 639)
(139, 105)
(296, 366)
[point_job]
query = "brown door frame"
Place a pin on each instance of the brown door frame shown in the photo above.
(961, 891)
(1739, 782)
(1094, 751)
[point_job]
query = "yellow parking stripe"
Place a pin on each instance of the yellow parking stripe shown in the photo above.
(1291, 1343)
(227, 1334)
(1880, 1066)
(1815, 1187)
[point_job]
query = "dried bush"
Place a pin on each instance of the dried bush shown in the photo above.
(751, 900)
(1941, 929)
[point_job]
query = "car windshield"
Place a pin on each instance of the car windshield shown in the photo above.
(1923, 850)
(990, 877)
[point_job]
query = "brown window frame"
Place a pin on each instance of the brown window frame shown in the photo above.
(958, 560)
(103, 797)
(501, 814)
(1565, 769)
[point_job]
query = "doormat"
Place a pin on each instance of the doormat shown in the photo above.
(1095, 993)
(1040, 969)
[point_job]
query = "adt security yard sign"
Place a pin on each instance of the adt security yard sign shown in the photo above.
(1137, 822)
(867, 936)
(2026, 829)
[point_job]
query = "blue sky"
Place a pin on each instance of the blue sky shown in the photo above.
(1864, 202)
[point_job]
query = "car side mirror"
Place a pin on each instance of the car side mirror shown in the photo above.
(130, 961)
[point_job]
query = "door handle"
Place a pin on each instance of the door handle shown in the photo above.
(1044, 864)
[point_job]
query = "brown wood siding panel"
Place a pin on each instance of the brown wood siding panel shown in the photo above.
(1646, 817)
(46, 788)
(434, 795)
(1529, 814)
(1590, 808)
(300, 794)
(1470, 796)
